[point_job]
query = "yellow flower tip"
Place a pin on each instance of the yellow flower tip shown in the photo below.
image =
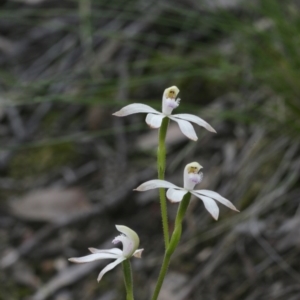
(171, 92)
(193, 167)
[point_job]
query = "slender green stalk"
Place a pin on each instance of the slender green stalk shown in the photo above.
(128, 279)
(173, 243)
(161, 167)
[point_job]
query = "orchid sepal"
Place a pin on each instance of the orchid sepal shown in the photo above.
(154, 184)
(216, 197)
(135, 108)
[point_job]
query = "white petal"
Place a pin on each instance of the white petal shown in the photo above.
(154, 121)
(110, 267)
(116, 251)
(210, 205)
(195, 119)
(92, 257)
(175, 195)
(186, 128)
(138, 253)
(129, 239)
(217, 197)
(134, 109)
(155, 184)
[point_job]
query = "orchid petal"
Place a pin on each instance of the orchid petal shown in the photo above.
(134, 109)
(129, 239)
(217, 197)
(209, 204)
(175, 195)
(186, 128)
(116, 251)
(154, 121)
(92, 257)
(155, 184)
(138, 253)
(195, 119)
(110, 267)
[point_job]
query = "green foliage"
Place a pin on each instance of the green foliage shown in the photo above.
(34, 162)
(230, 53)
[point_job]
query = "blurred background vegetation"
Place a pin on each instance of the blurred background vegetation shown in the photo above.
(68, 167)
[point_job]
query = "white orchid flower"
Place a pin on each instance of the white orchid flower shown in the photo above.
(191, 177)
(130, 241)
(169, 102)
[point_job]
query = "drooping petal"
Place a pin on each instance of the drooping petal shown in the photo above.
(129, 239)
(209, 204)
(175, 195)
(93, 257)
(134, 109)
(110, 267)
(116, 251)
(154, 121)
(217, 197)
(186, 128)
(195, 119)
(138, 253)
(155, 184)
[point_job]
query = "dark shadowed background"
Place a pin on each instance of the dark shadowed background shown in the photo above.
(68, 167)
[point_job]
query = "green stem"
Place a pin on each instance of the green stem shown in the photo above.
(173, 243)
(128, 279)
(161, 166)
